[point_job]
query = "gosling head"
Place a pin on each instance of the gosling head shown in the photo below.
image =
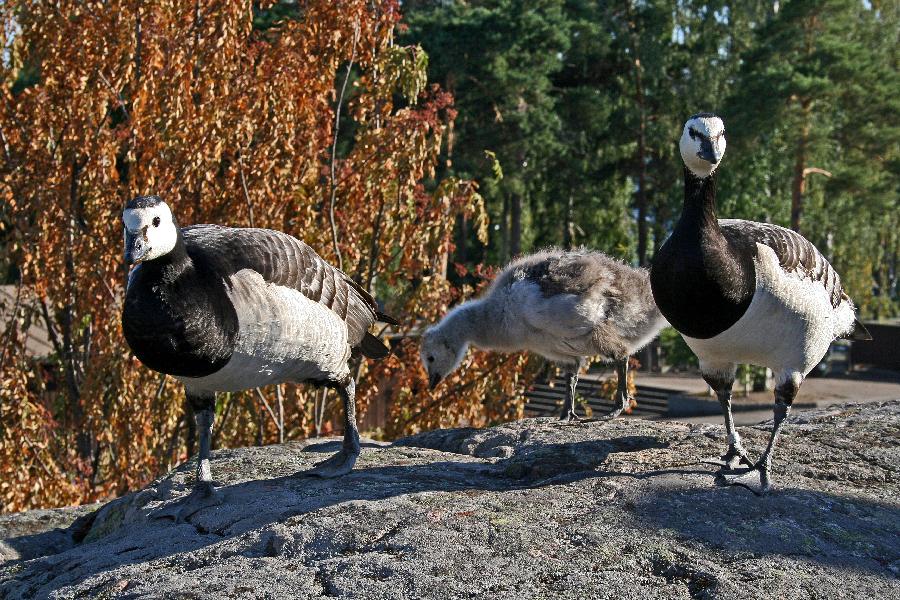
(440, 354)
(703, 144)
(150, 229)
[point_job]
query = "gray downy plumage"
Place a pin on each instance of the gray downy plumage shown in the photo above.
(563, 305)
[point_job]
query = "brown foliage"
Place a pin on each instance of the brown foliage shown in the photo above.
(233, 125)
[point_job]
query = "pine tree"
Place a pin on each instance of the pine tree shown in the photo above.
(809, 121)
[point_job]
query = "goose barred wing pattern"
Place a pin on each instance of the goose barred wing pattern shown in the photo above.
(795, 253)
(286, 261)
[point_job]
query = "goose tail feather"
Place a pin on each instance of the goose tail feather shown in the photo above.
(383, 318)
(372, 347)
(859, 333)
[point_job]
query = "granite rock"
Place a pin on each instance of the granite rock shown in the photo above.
(530, 509)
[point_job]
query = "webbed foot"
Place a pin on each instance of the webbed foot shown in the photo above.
(755, 479)
(735, 459)
(204, 495)
(339, 464)
(569, 417)
(610, 415)
(623, 402)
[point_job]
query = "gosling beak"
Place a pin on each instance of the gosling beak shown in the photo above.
(433, 380)
(136, 247)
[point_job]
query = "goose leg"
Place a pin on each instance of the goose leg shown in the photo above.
(342, 462)
(722, 383)
(204, 493)
(736, 455)
(757, 479)
(568, 411)
(623, 398)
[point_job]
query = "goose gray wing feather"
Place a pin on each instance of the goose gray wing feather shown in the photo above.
(795, 253)
(284, 260)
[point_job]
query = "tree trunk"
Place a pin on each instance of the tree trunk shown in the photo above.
(504, 229)
(515, 226)
(462, 245)
(642, 144)
(568, 225)
(798, 185)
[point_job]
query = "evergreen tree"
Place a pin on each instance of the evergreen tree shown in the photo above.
(810, 121)
(497, 57)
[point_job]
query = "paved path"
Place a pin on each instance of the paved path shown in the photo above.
(821, 391)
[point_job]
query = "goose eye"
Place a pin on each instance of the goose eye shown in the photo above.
(692, 132)
(431, 359)
(156, 221)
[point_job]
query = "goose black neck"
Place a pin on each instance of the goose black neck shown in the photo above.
(175, 261)
(702, 282)
(699, 209)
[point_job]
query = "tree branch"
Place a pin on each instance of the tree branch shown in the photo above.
(337, 125)
(268, 408)
(51, 332)
(816, 171)
(118, 95)
(374, 246)
(11, 326)
(247, 193)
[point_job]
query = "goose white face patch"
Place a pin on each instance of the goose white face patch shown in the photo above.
(703, 139)
(155, 228)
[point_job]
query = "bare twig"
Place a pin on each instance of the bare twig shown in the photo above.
(280, 399)
(269, 410)
(225, 413)
(161, 386)
(38, 457)
(118, 95)
(319, 410)
(110, 292)
(373, 247)
(337, 125)
(247, 193)
(51, 332)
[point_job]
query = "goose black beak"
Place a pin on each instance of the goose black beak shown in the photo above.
(433, 380)
(136, 248)
(707, 152)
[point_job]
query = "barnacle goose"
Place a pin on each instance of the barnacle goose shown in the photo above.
(745, 292)
(564, 306)
(224, 309)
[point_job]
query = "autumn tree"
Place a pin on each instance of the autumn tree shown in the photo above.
(306, 118)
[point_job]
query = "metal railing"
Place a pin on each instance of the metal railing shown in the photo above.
(545, 398)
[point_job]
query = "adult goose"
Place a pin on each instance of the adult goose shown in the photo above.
(564, 306)
(224, 309)
(744, 292)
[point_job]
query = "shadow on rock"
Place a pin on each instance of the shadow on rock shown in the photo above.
(825, 528)
(121, 532)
